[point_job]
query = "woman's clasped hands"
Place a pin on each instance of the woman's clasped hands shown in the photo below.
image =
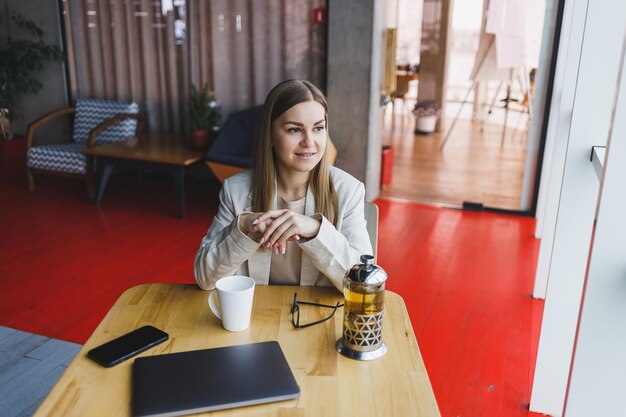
(278, 226)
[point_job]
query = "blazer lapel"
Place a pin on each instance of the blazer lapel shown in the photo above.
(249, 202)
(308, 271)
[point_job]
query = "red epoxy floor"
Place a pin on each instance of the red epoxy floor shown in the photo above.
(466, 277)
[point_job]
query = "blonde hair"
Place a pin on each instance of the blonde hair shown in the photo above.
(283, 97)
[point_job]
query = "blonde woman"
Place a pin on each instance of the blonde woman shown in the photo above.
(294, 219)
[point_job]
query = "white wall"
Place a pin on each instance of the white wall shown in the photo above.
(598, 378)
(597, 71)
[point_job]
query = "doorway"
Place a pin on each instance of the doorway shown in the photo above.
(460, 117)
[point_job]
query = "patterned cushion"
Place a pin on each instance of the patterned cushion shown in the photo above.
(91, 112)
(61, 158)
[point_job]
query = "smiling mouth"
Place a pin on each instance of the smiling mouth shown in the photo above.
(305, 154)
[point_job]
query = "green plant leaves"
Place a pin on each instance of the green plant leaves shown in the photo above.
(20, 59)
(203, 110)
(27, 24)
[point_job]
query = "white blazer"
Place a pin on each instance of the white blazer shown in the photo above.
(225, 250)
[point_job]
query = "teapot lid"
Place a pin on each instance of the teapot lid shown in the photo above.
(367, 272)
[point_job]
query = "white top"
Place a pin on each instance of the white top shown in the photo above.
(285, 269)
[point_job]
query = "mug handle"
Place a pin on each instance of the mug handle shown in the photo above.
(212, 305)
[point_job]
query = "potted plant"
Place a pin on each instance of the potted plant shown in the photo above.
(20, 60)
(204, 114)
(426, 115)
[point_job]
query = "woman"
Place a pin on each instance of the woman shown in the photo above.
(294, 219)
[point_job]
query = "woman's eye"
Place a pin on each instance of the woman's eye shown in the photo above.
(293, 130)
(318, 128)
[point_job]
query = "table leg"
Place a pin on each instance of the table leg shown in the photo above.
(178, 176)
(104, 172)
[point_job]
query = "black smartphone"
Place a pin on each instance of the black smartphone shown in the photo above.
(126, 346)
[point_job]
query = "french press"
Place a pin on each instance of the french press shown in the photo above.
(364, 293)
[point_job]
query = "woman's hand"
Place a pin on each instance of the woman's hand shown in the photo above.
(249, 224)
(282, 225)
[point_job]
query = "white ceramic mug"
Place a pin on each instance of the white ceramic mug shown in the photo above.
(235, 294)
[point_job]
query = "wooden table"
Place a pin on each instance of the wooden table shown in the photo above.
(165, 152)
(395, 385)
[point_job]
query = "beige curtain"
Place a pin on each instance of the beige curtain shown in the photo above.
(125, 50)
(245, 47)
(150, 51)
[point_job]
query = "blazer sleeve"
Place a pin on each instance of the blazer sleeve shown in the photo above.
(333, 251)
(225, 247)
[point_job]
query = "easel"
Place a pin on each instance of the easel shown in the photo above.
(525, 87)
(509, 84)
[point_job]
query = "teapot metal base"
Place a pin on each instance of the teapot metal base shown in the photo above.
(360, 356)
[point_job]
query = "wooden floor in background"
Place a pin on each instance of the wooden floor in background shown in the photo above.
(473, 166)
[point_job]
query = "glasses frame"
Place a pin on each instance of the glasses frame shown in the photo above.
(295, 312)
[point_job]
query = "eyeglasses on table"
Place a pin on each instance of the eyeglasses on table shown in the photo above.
(295, 312)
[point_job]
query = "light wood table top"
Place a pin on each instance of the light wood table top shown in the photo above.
(395, 385)
(164, 148)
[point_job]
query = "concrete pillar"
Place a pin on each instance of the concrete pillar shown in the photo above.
(436, 25)
(355, 61)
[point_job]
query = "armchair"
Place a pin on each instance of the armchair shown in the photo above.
(96, 122)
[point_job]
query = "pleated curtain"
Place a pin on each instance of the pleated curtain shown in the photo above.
(151, 51)
(254, 44)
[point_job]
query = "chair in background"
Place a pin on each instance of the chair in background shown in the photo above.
(233, 149)
(96, 122)
(403, 78)
(371, 217)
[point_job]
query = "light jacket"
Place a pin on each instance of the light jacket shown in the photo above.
(326, 258)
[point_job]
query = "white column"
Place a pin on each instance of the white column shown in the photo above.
(591, 114)
(557, 136)
(542, 78)
(561, 103)
(598, 378)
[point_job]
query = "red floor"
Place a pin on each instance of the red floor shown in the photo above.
(466, 277)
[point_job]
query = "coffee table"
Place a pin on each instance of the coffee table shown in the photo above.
(395, 385)
(164, 152)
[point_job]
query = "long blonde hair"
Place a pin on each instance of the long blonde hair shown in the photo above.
(283, 97)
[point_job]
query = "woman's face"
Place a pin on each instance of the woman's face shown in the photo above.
(299, 137)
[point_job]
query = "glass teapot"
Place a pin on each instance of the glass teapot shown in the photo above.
(364, 294)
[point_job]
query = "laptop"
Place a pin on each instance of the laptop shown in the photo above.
(211, 379)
